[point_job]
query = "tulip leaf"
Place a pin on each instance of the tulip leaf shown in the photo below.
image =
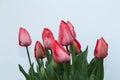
(39, 75)
(92, 66)
(100, 70)
(81, 65)
(31, 71)
(24, 73)
(39, 62)
(49, 56)
(92, 77)
(59, 70)
(50, 72)
(64, 76)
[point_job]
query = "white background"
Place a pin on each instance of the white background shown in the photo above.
(91, 19)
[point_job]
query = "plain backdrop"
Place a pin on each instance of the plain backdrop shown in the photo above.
(92, 19)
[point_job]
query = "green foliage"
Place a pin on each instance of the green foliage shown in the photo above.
(76, 69)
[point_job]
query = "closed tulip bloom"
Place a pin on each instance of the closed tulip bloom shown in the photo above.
(76, 46)
(59, 53)
(101, 49)
(39, 51)
(66, 33)
(47, 37)
(24, 37)
(71, 28)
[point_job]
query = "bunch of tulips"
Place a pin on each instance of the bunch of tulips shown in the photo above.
(62, 59)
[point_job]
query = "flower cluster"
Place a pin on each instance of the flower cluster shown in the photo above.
(65, 59)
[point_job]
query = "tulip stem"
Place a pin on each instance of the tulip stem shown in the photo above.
(42, 62)
(73, 57)
(30, 62)
(65, 69)
(67, 49)
(28, 56)
(38, 62)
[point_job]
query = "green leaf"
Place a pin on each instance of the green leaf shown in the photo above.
(37, 77)
(92, 77)
(72, 76)
(48, 55)
(81, 65)
(39, 62)
(50, 72)
(59, 71)
(64, 76)
(100, 70)
(92, 65)
(31, 70)
(38, 74)
(24, 73)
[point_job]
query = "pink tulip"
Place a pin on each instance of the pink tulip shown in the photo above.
(59, 53)
(48, 38)
(101, 49)
(71, 28)
(39, 51)
(77, 46)
(24, 37)
(66, 33)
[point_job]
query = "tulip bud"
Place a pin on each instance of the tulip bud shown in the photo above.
(101, 49)
(39, 51)
(76, 46)
(71, 28)
(66, 33)
(47, 37)
(59, 53)
(24, 37)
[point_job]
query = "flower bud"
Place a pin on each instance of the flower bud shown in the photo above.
(24, 37)
(76, 46)
(47, 37)
(71, 28)
(101, 49)
(39, 51)
(59, 53)
(66, 33)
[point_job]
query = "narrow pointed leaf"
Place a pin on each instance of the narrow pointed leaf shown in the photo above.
(92, 66)
(81, 65)
(24, 73)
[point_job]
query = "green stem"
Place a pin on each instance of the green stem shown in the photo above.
(30, 62)
(73, 56)
(67, 49)
(38, 62)
(65, 69)
(48, 55)
(28, 56)
(42, 62)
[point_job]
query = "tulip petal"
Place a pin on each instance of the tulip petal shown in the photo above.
(47, 37)
(24, 37)
(101, 48)
(65, 35)
(59, 53)
(39, 51)
(76, 46)
(71, 27)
